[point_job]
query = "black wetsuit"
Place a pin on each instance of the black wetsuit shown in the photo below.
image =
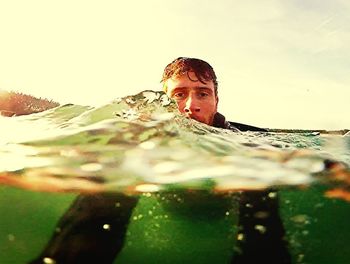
(82, 237)
(91, 231)
(262, 235)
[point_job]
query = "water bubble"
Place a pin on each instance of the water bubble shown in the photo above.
(137, 217)
(49, 260)
(240, 236)
(272, 195)
(106, 227)
(11, 237)
(260, 228)
(300, 257)
(300, 219)
(305, 232)
(261, 214)
(227, 213)
(319, 205)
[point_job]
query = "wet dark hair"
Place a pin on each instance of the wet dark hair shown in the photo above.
(182, 65)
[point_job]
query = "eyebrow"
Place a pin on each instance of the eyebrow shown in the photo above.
(201, 88)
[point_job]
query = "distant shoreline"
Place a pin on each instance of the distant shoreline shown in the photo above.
(15, 103)
(320, 131)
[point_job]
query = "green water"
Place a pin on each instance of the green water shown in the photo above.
(175, 184)
(27, 221)
(317, 227)
(171, 229)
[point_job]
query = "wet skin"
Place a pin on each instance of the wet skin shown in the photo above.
(195, 99)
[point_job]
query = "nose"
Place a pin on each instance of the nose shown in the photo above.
(192, 105)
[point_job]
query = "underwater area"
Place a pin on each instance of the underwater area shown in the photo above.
(134, 181)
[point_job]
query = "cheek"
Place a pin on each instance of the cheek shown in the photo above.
(209, 111)
(215, 105)
(212, 106)
(181, 106)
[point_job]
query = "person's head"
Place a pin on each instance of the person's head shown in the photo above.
(192, 83)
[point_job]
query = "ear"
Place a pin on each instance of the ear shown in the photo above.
(217, 101)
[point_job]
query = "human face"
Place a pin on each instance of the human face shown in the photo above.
(194, 99)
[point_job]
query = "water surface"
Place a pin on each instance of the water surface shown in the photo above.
(187, 177)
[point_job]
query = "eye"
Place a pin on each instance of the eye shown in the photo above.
(179, 95)
(203, 94)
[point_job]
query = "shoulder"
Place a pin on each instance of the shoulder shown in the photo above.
(220, 121)
(245, 127)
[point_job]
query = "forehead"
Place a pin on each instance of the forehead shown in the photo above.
(188, 80)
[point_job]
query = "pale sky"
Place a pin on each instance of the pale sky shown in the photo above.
(280, 63)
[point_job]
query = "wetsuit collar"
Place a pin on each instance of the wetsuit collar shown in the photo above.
(219, 121)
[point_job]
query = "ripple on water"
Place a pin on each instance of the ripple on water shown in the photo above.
(142, 144)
